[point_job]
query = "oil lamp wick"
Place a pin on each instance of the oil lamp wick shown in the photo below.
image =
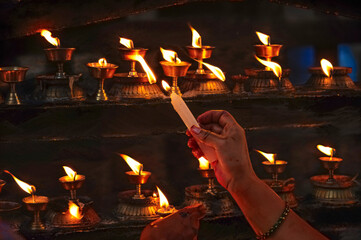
(33, 189)
(140, 169)
(75, 173)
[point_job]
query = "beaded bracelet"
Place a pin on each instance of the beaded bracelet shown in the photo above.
(279, 222)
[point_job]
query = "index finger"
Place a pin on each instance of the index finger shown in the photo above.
(220, 117)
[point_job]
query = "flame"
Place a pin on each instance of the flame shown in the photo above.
(136, 167)
(215, 70)
(165, 85)
(26, 187)
(326, 67)
(126, 42)
(148, 71)
(163, 201)
(276, 68)
(102, 62)
(269, 156)
(71, 174)
(196, 38)
(264, 38)
(170, 56)
(74, 210)
(326, 150)
(47, 35)
(203, 163)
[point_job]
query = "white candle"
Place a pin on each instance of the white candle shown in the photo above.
(183, 111)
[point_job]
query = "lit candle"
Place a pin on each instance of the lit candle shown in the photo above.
(203, 163)
(271, 159)
(181, 108)
(329, 152)
(47, 35)
(275, 67)
(264, 38)
(165, 209)
(327, 69)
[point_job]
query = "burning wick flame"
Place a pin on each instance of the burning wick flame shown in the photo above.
(326, 150)
(26, 187)
(128, 43)
(196, 38)
(146, 68)
(264, 38)
(163, 201)
(74, 210)
(136, 167)
(269, 156)
(170, 56)
(203, 163)
(215, 70)
(71, 174)
(165, 85)
(102, 62)
(276, 68)
(326, 67)
(47, 35)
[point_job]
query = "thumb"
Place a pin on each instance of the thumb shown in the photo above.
(205, 136)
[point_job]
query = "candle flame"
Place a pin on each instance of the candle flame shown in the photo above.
(128, 43)
(276, 68)
(215, 70)
(163, 201)
(136, 167)
(326, 150)
(71, 174)
(47, 35)
(203, 163)
(326, 67)
(102, 62)
(26, 187)
(74, 210)
(264, 38)
(196, 38)
(165, 85)
(170, 56)
(146, 68)
(269, 156)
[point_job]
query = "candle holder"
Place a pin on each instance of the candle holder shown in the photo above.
(60, 85)
(200, 81)
(133, 84)
(163, 212)
(210, 175)
(267, 51)
(338, 80)
(36, 204)
(12, 75)
(264, 81)
(175, 70)
(138, 180)
(239, 83)
(275, 169)
(101, 73)
(330, 164)
(72, 185)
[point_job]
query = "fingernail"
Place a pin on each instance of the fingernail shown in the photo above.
(195, 129)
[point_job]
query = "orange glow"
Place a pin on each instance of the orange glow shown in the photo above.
(203, 163)
(215, 70)
(165, 85)
(326, 67)
(74, 210)
(146, 68)
(136, 167)
(196, 38)
(326, 150)
(126, 42)
(276, 68)
(26, 187)
(264, 38)
(47, 35)
(163, 201)
(102, 62)
(71, 174)
(170, 56)
(269, 156)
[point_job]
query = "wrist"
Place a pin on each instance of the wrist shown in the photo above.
(240, 185)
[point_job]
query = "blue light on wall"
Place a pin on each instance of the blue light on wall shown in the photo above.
(346, 58)
(299, 59)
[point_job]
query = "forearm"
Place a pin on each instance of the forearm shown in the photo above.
(262, 207)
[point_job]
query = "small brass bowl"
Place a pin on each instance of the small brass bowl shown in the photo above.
(13, 74)
(207, 173)
(200, 53)
(102, 72)
(69, 184)
(40, 203)
(59, 54)
(136, 178)
(126, 53)
(175, 69)
(274, 168)
(268, 52)
(332, 164)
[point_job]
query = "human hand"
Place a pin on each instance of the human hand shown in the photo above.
(226, 143)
